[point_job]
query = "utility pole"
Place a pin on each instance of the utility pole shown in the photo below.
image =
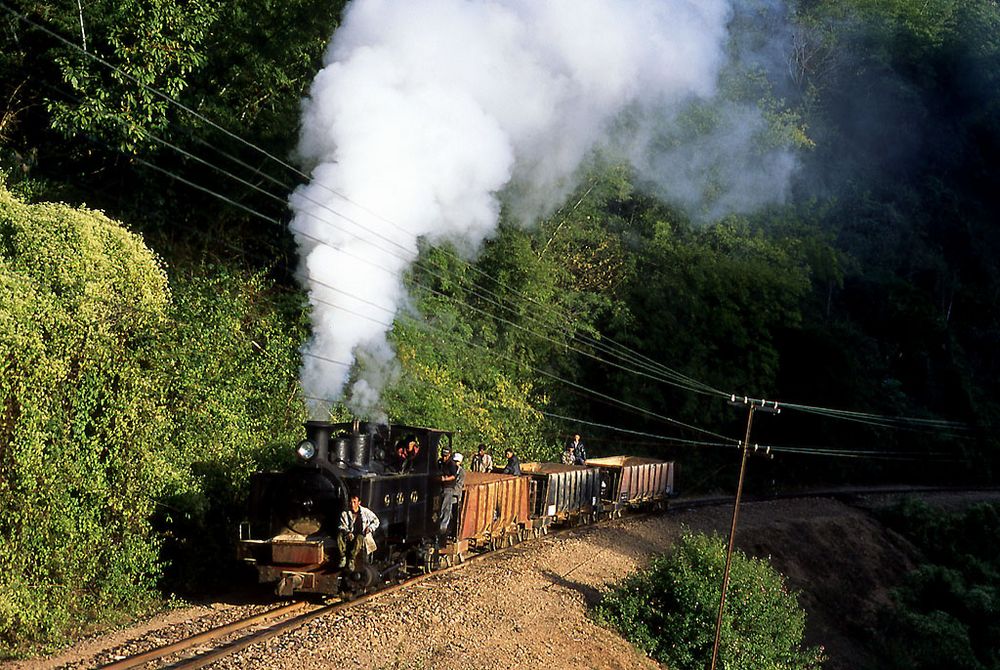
(83, 33)
(753, 405)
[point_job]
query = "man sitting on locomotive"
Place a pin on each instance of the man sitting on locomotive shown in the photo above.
(452, 484)
(357, 526)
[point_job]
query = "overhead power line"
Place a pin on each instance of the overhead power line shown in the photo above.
(761, 448)
(882, 420)
(592, 392)
(678, 379)
(618, 429)
(667, 375)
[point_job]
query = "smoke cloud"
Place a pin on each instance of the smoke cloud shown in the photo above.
(427, 113)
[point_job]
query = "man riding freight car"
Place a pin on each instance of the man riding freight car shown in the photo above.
(452, 484)
(482, 461)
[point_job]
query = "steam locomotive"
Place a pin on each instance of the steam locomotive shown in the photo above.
(290, 534)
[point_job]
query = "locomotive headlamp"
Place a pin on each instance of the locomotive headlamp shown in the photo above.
(305, 450)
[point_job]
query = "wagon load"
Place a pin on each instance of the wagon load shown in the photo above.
(494, 507)
(633, 481)
(561, 492)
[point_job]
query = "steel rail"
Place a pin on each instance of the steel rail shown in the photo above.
(218, 654)
(208, 635)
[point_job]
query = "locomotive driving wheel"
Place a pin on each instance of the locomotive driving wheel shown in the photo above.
(431, 556)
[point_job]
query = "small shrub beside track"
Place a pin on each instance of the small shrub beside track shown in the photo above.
(669, 611)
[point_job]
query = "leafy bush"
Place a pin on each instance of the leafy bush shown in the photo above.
(669, 611)
(131, 416)
(229, 371)
(81, 300)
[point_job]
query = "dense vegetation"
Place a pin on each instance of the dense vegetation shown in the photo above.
(146, 377)
(669, 611)
(134, 411)
(80, 296)
(947, 613)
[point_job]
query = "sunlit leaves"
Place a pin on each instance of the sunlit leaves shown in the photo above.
(669, 611)
(130, 417)
(80, 299)
(157, 44)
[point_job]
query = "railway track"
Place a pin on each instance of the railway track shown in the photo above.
(181, 651)
(215, 644)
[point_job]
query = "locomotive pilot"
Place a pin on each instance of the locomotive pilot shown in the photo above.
(356, 530)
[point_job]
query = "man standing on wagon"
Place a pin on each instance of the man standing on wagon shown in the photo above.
(578, 448)
(513, 466)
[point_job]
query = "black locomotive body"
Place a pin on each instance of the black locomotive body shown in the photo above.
(291, 534)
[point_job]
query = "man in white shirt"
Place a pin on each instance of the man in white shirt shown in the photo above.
(357, 525)
(482, 461)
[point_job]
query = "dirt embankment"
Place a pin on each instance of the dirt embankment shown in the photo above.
(529, 607)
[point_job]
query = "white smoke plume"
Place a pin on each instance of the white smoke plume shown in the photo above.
(425, 112)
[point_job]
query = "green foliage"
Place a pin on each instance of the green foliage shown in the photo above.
(155, 44)
(467, 393)
(722, 297)
(67, 120)
(262, 58)
(874, 288)
(947, 613)
(928, 641)
(228, 367)
(469, 370)
(80, 303)
(132, 417)
(246, 66)
(669, 611)
(928, 22)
